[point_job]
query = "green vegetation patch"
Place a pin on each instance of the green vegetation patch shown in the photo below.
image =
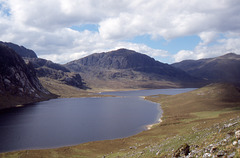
(207, 115)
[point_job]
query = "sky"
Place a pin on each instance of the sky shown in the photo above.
(167, 30)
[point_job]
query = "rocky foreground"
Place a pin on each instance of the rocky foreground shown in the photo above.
(219, 140)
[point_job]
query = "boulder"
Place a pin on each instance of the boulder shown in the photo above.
(183, 150)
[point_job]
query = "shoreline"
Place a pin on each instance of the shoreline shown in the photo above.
(117, 90)
(148, 127)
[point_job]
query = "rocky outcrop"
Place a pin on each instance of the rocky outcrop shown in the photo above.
(46, 68)
(18, 81)
(182, 151)
(22, 51)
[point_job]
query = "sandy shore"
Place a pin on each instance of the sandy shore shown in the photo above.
(148, 127)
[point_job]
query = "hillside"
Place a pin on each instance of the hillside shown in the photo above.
(47, 70)
(128, 69)
(22, 51)
(18, 81)
(225, 68)
(200, 123)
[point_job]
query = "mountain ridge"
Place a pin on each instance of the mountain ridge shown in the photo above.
(225, 68)
(124, 66)
(116, 59)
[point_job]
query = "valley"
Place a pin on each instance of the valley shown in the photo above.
(120, 79)
(197, 122)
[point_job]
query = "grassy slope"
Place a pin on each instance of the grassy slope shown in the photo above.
(66, 91)
(197, 118)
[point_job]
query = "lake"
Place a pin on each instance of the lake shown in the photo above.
(71, 121)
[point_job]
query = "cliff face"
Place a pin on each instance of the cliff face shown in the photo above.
(18, 81)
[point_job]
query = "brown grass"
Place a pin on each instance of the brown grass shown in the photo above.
(66, 91)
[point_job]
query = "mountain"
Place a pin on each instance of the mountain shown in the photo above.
(48, 69)
(225, 68)
(22, 51)
(125, 68)
(18, 81)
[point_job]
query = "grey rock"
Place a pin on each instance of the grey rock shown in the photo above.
(206, 155)
(183, 150)
(230, 125)
(237, 134)
(132, 147)
(234, 143)
(231, 155)
(213, 149)
(221, 153)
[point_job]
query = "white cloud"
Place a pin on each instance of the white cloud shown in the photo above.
(184, 55)
(221, 47)
(208, 37)
(173, 18)
(44, 25)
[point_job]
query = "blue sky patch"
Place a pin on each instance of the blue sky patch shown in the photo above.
(4, 10)
(172, 46)
(89, 27)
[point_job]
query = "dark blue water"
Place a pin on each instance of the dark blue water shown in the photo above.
(70, 121)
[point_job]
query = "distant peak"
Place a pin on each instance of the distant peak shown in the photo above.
(123, 50)
(229, 55)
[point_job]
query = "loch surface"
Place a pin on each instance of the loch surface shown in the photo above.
(71, 121)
